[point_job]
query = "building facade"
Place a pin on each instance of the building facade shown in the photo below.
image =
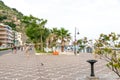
(9, 37)
(17, 38)
(6, 36)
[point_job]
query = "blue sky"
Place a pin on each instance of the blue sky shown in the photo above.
(90, 17)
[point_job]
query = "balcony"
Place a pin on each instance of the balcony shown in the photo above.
(3, 29)
(3, 32)
(3, 41)
(6, 41)
(3, 37)
(11, 35)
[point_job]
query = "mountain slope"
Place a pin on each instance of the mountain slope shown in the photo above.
(9, 16)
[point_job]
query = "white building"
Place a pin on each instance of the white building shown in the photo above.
(17, 38)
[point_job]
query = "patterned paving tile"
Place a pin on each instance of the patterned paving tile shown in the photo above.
(62, 67)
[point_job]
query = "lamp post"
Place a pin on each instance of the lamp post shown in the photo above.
(75, 42)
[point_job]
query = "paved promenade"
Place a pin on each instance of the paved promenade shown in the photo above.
(50, 67)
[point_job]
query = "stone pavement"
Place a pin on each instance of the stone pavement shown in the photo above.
(50, 67)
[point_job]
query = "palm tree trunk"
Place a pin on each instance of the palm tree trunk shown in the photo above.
(41, 45)
(62, 48)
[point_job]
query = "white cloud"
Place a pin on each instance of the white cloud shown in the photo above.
(92, 17)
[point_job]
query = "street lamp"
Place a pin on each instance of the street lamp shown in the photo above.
(75, 42)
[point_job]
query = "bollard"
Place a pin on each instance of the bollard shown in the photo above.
(92, 66)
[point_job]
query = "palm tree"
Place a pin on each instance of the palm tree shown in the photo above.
(82, 43)
(35, 30)
(64, 36)
(52, 38)
(42, 32)
(46, 35)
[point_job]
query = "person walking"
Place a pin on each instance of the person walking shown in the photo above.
(14, 49)
(27, 50)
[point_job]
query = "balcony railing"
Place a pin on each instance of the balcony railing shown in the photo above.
(3, 33)
(3, 37)
(6, 41)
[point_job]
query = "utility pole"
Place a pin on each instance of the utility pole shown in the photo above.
(75, 42)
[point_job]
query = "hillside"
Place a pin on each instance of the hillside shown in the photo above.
(9, 16)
